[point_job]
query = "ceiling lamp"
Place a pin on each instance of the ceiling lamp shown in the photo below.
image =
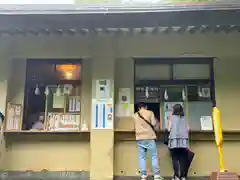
(67, 70)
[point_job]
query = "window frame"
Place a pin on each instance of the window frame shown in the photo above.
(172, 61)
(31, 84)
(55, 62)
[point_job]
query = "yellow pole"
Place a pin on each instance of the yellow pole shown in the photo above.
(221, 159)
(218, 136)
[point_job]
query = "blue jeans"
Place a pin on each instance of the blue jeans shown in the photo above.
(143, 147)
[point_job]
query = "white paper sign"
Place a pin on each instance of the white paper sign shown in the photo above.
(123, 105)
(123, 110)
(103, 90)
(124, 95)
(58, 101)
(206, 123)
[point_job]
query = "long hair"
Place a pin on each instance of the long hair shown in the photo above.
(178, 110)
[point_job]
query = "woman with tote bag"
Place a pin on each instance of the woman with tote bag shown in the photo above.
(178, 142)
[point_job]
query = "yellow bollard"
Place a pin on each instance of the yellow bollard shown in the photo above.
(218, 135)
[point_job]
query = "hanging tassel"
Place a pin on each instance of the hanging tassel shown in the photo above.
(37, 91)
(183, 95)
(67, 89)
(199, 92)
(146, 92)
(46, 91)
(58, 91)
(165, 95)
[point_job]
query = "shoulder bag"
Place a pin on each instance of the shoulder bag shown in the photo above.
(147, 122)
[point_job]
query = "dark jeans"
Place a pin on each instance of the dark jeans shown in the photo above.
(179, 158)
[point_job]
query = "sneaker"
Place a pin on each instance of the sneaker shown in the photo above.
(176, 178)
(158, 177)
(144, 177)
(183, 178)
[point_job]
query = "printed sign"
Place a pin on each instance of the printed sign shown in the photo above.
(63, 122)
(102, 115)
(206, 123)
(123, 106)
(103, 89)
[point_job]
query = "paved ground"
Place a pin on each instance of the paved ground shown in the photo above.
(65, 175)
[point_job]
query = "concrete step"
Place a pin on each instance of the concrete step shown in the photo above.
(66, 175)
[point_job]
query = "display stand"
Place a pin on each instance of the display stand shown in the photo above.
(62, 109)
(13, 117)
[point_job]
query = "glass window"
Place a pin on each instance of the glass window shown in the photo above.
(173, 93)
(198, 93)
(52, 91)
(153, 72)
(191, 71)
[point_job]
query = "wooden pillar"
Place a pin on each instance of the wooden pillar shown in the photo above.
(102, 140)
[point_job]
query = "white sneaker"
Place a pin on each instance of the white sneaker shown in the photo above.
(177, 178)
(143, 177)
(158, 177)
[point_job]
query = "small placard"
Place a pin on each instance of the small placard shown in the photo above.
(206, 123)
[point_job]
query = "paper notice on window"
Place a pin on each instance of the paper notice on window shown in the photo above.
(58, 102)
(206, 123)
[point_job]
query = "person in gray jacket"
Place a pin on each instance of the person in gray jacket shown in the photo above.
(178, 141)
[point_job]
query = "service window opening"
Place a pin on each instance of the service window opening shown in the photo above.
(161, 83)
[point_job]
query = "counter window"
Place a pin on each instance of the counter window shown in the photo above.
(52, 95)
(186, 81)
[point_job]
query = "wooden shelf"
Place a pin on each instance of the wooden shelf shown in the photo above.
(228, 135)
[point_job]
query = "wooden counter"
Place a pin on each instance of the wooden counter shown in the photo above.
(47, 136)
(228, 135)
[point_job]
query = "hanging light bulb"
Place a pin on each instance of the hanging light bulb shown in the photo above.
(146, 92)
(37, 91)
(183, 95)
(58, 91)
(46, 91)
(165, 95)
